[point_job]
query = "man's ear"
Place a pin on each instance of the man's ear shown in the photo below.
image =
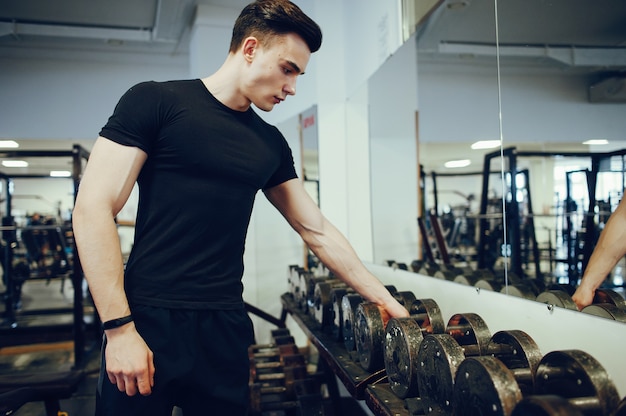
(249, 47)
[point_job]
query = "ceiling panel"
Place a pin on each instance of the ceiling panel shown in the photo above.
(110, 13)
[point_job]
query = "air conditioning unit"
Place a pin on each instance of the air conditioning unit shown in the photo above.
(609, 90)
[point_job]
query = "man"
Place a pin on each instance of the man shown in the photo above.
(176, 331)
(610, 249)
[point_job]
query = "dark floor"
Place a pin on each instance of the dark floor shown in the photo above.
(24, 352)
(19, 356)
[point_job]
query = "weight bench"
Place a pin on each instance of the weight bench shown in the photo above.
(49, 387)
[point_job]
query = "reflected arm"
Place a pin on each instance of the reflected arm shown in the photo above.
(611, 247)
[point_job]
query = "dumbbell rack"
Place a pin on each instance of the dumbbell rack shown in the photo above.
(554, 328)
(334, 360)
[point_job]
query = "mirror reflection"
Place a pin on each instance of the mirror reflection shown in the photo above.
(544, 83)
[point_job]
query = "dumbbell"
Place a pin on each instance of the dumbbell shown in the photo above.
(349, 304)
(321, 308)
(440, 355)
(495, 282)
(266, 398)
(265, 370)
(428, 268)
(307, 283)
(304, 400)
(451, 272)
(571, 382)
(523, 288)
(565, 287)
(621, 408)
(470, 277)
(370, 321)
(397, 265)
(494, 383)
(558, 298)
(607, 306)
(300, 283)
(401, 343)
(272, 352)
(336, 298)
(280, 336)
(491, 284)
(293, 280)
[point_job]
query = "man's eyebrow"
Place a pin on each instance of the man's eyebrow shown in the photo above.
(295, 67)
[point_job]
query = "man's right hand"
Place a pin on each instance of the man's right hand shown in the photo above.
(129, 361)
(583, 297)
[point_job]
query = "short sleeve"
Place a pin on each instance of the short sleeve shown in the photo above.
(286, 170)
(135, 120)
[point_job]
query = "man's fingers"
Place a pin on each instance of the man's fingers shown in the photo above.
(145, 386)
(121, 385)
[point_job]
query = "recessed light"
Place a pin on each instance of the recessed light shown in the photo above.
(486, 144)
(14, 163)
(596, 142)
(60, 173)
(458, 163)
(8, 144)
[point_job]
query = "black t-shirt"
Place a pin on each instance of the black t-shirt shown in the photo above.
(205, 164)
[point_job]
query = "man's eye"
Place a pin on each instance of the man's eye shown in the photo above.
(286, 71)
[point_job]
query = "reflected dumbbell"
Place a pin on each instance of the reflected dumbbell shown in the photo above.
(558, 298)
(471, 277)
(403, 337)
(495, 382)
(523, 288)
(572, 382)
(440, 355)
(609, 304)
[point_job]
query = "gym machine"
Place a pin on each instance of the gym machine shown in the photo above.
(58, 259)
(514, 217)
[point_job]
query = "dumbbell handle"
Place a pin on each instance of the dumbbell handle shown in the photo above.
(269, 406)
(272, 389)
(586, 403)
(269, 364)
(471, 350)
(271, 376)
(523, 375)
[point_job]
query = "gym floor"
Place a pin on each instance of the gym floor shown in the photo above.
(49, 356)
(59, 356)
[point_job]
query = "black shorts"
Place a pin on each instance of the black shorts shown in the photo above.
(201, 364)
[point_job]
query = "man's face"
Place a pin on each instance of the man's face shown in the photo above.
(274, 69)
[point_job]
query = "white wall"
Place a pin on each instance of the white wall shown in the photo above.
(393, 153)
(70, 94)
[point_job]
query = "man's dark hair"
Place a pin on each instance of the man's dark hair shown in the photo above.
(265, 18)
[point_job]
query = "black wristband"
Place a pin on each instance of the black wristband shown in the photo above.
(116, 323)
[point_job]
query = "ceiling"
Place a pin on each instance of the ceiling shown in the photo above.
(588, 36)
(161, 25)
(144, 26)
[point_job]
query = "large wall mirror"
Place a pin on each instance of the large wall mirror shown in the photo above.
(520, 115)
